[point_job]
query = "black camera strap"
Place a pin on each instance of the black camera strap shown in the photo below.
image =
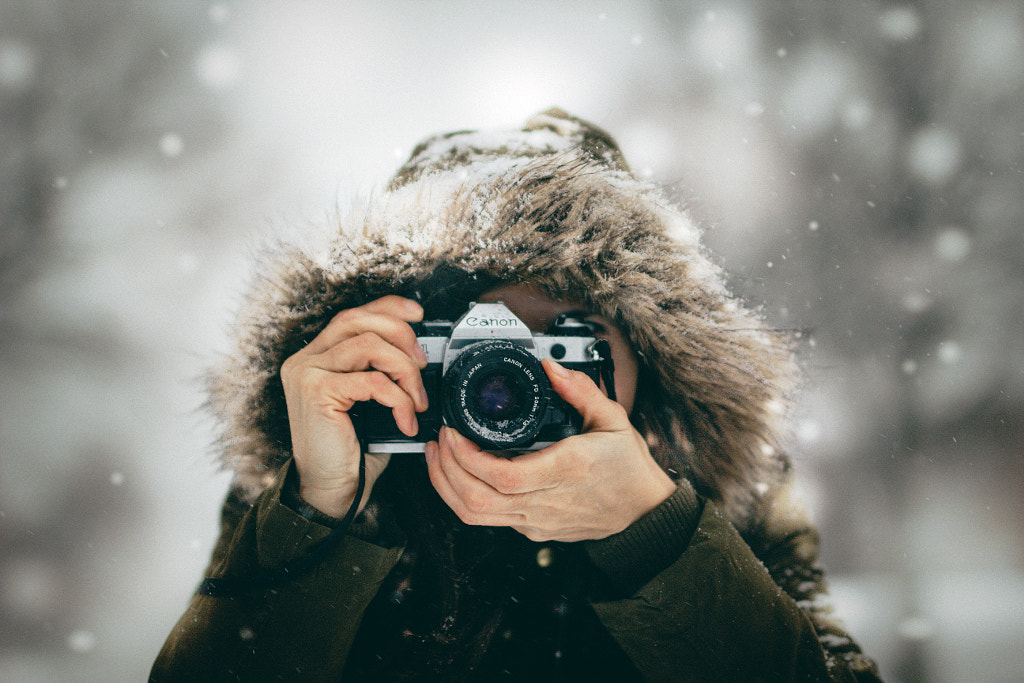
(233, 586)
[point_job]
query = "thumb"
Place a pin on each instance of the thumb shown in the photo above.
(599, 412)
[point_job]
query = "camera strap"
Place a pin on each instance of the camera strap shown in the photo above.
(232, 586)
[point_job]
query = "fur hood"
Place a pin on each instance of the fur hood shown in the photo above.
(552, 204)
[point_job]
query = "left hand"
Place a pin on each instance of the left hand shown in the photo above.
(587, 486)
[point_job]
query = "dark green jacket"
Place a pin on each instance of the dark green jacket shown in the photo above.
(708, 610)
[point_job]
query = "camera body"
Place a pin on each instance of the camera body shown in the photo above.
(484, 378)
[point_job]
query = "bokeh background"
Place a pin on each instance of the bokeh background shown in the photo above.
(858, 167)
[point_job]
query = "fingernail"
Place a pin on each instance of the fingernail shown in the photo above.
(430, 450)
(420, 354)
(413, 307)
(558, 369)
(423, 397)
(450, 434)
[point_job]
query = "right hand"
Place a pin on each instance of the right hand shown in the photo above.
(365, 353)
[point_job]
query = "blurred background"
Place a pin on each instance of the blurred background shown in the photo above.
(858, 167)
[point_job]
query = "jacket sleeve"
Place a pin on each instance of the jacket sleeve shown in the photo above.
(302, 629)
(687, 599)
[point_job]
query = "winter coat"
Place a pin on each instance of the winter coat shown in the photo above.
(719, 582)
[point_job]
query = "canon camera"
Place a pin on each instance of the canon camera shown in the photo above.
(484, 378)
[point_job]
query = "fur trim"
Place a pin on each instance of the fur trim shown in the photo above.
(563, 214)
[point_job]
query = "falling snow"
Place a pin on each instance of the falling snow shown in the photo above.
(952, 244)
(171, 145)
(81, 642)
(144, 151)
(934, 155)
(218, 66)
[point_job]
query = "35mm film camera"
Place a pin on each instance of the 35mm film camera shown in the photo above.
(484, 378)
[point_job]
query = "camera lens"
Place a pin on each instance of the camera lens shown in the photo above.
(497, 397)
(496, 393)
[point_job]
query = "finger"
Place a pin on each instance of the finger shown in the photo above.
(572, 535)
(599, 412)
(509, 476)
(389, 317)
(477, 495)
(349, 388)
(398, 306)
(533, 534)
(368, 350)
(471, 502)
(353, 322)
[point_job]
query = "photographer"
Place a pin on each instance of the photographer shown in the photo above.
(655, 544)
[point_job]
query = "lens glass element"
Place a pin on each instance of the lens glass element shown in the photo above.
(497, 396)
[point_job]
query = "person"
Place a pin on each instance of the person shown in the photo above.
(659, 543)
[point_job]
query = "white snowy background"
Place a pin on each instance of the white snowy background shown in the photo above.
(858, 165)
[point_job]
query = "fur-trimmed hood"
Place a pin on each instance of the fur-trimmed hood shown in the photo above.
(552, 204)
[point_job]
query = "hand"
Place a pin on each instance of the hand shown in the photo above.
(587, 486)
(364, 353)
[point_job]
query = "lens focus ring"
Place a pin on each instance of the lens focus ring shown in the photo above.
(496, 393)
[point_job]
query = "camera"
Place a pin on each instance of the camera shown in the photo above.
(484, 378)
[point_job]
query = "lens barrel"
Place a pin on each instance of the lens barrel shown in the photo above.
(497, 394)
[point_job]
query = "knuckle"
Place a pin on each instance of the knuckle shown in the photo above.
(286, 374)
(346, 314)
(573, 471)
(470, 518)
(536, 535)
(367, 339)
(290, 366)
(300, 372)
(360, 348)
(477, 503)
(506, 481)
(584, 462)
(618, 412)
(342, 319)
